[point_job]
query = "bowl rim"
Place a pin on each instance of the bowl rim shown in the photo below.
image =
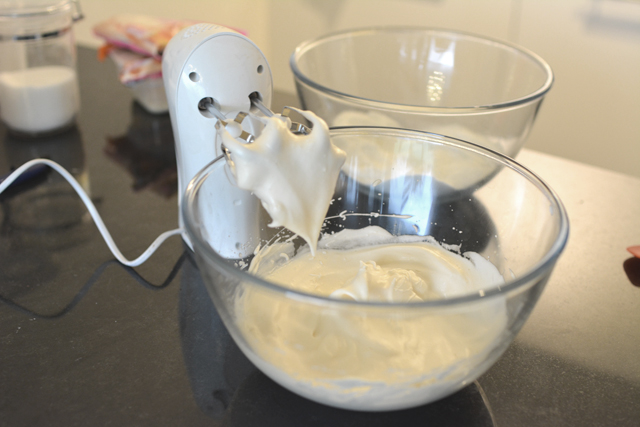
(545, 263)
(417, 109)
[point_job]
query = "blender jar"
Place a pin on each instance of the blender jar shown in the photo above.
(38, 81)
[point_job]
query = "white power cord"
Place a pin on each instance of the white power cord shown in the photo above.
(92, 210)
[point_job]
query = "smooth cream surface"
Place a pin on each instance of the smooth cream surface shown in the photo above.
(371, 357)
(294, 176)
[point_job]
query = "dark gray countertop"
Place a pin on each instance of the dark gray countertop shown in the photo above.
(86, 341)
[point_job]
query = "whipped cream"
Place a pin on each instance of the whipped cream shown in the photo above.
(294, 176)
(371, 357)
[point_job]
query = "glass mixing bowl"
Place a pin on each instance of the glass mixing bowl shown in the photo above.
(474, 88)
(514, 220)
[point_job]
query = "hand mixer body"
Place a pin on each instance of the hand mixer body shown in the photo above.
(210, 63)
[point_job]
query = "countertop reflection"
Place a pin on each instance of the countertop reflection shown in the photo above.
(86, 341)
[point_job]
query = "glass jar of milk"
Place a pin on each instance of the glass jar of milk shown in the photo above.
(38, 82)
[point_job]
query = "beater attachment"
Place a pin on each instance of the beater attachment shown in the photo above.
(235, 127)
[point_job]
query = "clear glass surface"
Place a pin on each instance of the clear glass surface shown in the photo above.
(511, 218)
(473, 88)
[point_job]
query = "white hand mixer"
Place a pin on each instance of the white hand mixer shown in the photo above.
(211, 73)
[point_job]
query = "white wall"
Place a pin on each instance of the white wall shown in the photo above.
(592, 113)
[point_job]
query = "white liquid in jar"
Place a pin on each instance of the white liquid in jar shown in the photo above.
(39, 99)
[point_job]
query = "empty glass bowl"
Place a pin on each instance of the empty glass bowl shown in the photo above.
(469, 87)
(514, 220)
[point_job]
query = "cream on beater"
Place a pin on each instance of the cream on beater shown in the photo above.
(293, 175)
